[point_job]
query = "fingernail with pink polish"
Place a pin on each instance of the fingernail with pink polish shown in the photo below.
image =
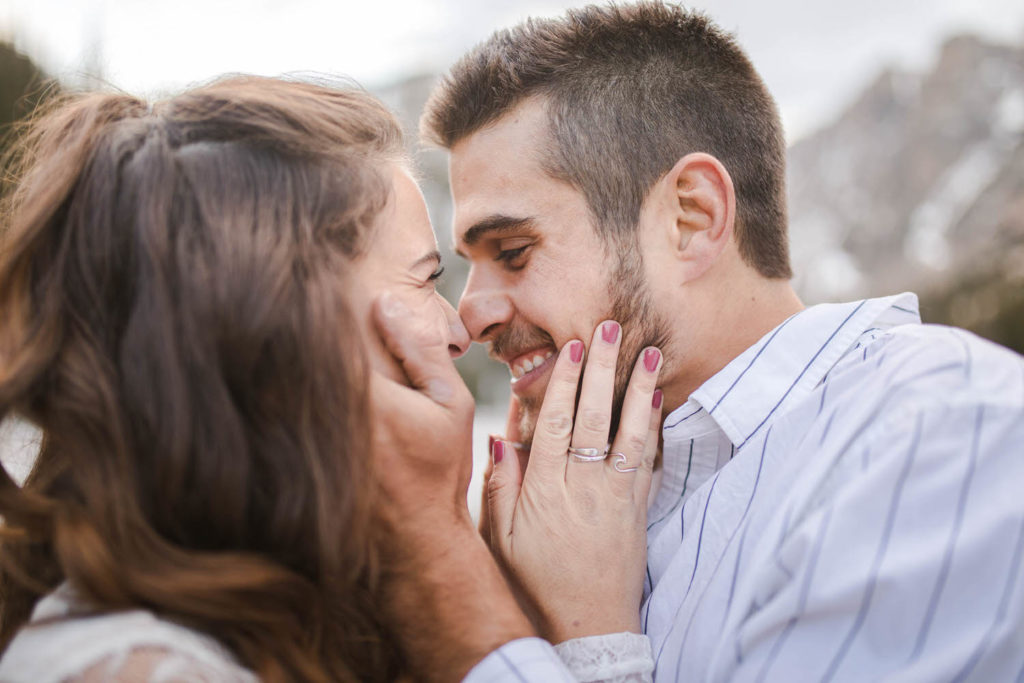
(576, 351)
(498, 451)
(610, 331)
(656, 401)
(651, 358)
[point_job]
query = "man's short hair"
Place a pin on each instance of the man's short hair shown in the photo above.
(631, 89)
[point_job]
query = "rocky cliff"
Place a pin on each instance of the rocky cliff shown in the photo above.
(919, 184)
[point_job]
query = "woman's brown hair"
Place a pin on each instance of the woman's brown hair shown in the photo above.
(173, 318)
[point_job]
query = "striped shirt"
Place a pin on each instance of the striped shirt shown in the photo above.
(842, 502)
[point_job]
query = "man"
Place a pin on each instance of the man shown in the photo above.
(838, 498)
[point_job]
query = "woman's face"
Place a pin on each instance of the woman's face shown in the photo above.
(403, 259)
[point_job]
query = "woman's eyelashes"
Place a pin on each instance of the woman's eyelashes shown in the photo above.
(436, 275)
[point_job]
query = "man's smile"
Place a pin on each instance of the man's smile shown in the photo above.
(526, 368)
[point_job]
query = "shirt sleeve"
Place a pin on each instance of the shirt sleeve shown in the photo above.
(519, 661)
(911, 570)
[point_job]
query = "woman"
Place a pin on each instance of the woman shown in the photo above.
(175, 317)
(185, 306)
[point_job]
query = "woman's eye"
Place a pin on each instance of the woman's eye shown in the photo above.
(436, 275)
(513, 258)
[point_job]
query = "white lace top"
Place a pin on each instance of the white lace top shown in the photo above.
(56, 646)
(134, 645)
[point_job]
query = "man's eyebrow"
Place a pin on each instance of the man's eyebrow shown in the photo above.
(497, 223)
(434, 256)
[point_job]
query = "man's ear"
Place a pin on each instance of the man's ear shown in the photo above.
(701, 203)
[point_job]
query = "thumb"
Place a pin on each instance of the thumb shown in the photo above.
(644, 475)
(419, 347)
(503, 494)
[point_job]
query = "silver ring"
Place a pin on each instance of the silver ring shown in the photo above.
(589, 454)
(620, 459)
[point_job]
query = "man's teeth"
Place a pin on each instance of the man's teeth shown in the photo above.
(526, 364)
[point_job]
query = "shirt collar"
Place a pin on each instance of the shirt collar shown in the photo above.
(782, 368)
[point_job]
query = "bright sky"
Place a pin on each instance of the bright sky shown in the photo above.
(814, 54)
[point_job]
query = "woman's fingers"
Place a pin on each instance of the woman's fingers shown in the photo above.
(513, 421)
(593, 416)
(554, 423)
(502, 493)
(642, 484)
(634, 423)
(514, 431)
(484, 523)
(419, 347)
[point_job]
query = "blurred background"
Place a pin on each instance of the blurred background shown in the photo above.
(905, 120)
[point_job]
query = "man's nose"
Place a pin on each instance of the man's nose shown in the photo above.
(483, 308)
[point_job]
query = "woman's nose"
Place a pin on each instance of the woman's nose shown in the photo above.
(458, 336)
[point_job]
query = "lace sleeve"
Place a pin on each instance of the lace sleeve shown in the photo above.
(612, 658)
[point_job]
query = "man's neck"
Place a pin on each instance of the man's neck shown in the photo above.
(730, 326)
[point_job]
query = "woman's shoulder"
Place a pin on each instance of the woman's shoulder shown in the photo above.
(59, 645)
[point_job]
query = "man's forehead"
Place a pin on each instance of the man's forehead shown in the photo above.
(500, 177)
(528, 121)
(504, 150)
(500, 196)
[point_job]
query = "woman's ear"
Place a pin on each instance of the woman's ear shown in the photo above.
(701, 203)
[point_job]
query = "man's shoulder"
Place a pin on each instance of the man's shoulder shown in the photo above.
(909, 407)
(932, 364)
(884, 386)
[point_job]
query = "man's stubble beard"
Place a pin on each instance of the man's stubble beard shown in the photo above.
(633, 308)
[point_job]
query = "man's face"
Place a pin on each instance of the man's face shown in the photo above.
(540, 275)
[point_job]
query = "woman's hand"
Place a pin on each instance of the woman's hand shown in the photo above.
(442, 594)
(571, 531)
(422, 432)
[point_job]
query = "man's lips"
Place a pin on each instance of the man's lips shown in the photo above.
(529, 366)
